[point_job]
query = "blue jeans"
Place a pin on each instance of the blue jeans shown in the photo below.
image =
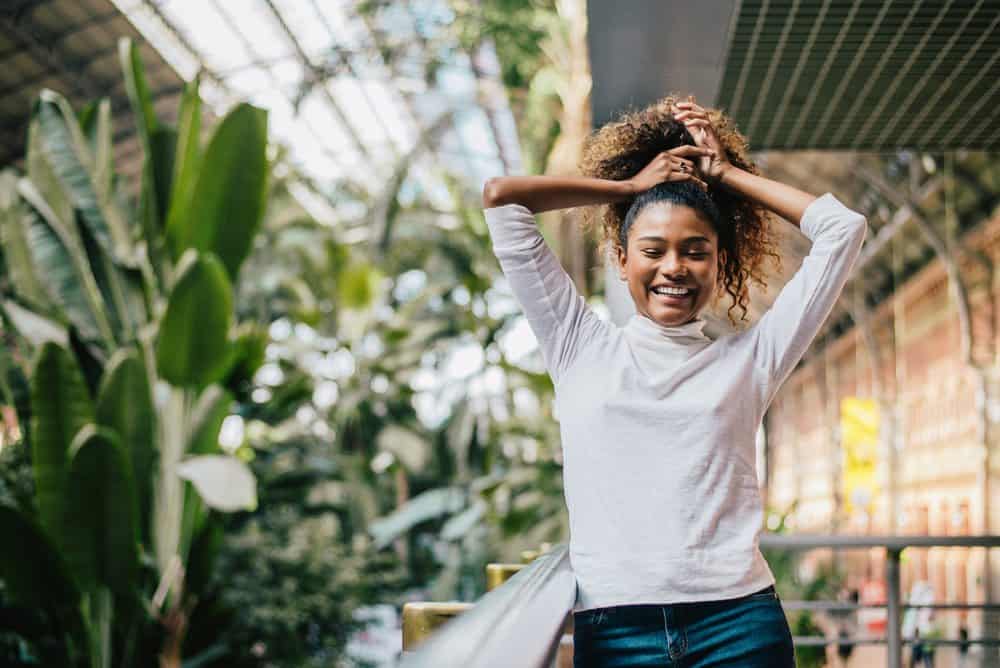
(748, 632)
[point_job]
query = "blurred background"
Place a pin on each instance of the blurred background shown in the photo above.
(262, 382)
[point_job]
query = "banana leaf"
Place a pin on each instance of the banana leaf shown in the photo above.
(62, 267)
(21, 270)
(125, 406)
(61, 407)
(32, 570)
(192, 346)
(101, 543)
(226, 203)
(67, 152)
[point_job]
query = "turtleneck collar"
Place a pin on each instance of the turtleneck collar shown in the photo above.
(652, 330)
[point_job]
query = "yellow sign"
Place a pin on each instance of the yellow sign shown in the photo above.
(859, 421)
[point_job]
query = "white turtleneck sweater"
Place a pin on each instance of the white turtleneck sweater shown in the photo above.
(658, 423)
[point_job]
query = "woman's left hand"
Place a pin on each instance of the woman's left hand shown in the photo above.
(695, 119)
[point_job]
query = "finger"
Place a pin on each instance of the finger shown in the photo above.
(690, 150)
(691, 177)
(698, 122)
(691, 108)
(690, 114)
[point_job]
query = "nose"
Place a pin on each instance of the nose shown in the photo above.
(673, 265)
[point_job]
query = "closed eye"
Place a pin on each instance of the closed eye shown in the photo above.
(689, 254)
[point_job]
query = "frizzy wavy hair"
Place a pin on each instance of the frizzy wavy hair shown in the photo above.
(621, 148)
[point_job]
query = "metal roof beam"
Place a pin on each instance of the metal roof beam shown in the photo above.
(350, 67)
(312, 69)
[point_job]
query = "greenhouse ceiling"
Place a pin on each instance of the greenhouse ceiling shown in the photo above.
(349, 94)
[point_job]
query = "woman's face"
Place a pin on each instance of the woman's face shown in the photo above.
(670, 245)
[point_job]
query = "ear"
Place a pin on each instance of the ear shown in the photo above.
(620, 263)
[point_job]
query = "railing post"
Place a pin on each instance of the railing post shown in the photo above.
(893, 628)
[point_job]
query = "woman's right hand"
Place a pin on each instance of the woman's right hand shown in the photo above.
(671, 165)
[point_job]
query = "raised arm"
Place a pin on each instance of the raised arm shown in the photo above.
(545, 193)
(561, 320)
(782, 335)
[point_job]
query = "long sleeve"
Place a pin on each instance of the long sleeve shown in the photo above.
(559, 316)
(782, 335)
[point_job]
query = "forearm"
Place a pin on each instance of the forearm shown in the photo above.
(785, 200)
(544, 193)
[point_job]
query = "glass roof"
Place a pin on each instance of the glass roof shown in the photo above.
(349, 94)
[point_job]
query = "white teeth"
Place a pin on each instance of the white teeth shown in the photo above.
(670, 291)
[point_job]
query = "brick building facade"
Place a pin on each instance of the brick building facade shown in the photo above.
(937, 412)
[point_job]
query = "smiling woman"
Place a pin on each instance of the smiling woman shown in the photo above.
(658, 420)
(668, 252)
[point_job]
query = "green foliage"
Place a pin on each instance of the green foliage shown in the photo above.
(108, 317)
(192, 345)
(291, 574)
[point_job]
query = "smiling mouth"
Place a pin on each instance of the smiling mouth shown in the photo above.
(673, 298)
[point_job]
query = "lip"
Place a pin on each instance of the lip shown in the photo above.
(674, 299)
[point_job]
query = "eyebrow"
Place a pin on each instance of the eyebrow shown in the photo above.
(688, 240)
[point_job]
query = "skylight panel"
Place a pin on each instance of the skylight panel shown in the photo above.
(351, 100)
(209, 32)
(309, 28)
(258, 29)
(160, 36)
(288, 72)
(249, 81)
(349, 29)
(315, 113)
(392, 108)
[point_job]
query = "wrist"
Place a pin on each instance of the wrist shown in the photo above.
(728, 175)
(626, 189)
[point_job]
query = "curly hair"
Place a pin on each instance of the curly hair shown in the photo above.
(621, 148)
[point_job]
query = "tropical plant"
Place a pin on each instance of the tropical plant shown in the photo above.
(128, 316)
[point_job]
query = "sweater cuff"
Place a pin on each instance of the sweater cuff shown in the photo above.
(820, 213)
(512, 226)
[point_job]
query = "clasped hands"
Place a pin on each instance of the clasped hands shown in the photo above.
(703, 163)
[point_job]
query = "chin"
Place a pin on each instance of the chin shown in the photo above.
(672, 319)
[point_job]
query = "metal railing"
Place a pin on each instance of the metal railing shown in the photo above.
(894, 605)
(521, 622)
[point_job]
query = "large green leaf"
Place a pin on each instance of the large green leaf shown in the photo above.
(44, 178)
(101, 146)
(34, 327)
(138, 91)
(67, 152)
(31, 568)
(61, 266)
(125, 405)
(225, 207)
(21, 270)
(100, 527)
(187, 158)
(61, 407)
(192, 345)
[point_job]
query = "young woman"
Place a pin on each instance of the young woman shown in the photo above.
(657, 419)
